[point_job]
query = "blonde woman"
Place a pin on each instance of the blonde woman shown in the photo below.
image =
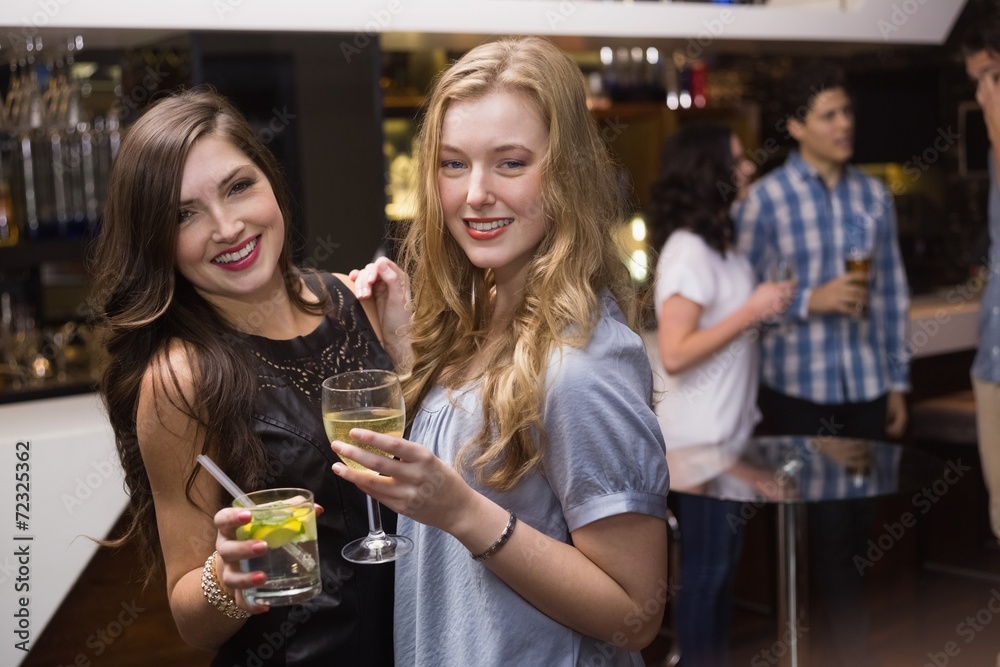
(534, 480)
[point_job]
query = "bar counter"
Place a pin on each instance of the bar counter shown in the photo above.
(62, 484)
(944, 321)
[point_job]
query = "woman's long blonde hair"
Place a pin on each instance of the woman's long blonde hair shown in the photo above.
(578, 257)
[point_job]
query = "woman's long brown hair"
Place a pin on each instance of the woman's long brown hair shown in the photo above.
(145, 305)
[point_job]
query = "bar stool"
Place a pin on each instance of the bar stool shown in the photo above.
(950, 418)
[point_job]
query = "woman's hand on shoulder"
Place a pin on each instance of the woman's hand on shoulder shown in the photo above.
(383, 282)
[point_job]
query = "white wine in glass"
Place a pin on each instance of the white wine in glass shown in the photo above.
(373, 400)
(381, 420)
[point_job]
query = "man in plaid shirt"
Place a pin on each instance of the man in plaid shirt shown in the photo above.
(838, 361)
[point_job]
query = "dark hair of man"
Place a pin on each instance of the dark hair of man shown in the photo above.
(694, 187)
(982, 35)
(805, 83)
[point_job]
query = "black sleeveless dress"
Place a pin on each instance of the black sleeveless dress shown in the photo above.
(350, 622)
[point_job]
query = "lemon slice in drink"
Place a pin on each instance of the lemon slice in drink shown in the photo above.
(276, 535)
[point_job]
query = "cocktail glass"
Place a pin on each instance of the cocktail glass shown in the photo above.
(286, 520)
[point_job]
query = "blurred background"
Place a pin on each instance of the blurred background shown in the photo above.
(337, 93)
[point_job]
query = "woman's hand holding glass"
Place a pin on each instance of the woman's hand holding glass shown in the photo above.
(414, 482)
(371, 398)
(771, 299)
(233, 550)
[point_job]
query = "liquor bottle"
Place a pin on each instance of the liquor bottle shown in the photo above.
(9, 231)
(8, 225)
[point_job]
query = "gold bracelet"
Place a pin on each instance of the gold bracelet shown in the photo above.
(502, 540)
(214, 593)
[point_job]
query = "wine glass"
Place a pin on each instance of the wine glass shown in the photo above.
(782, 270)
(373, 400)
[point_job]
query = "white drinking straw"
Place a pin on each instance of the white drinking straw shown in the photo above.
(224, 479)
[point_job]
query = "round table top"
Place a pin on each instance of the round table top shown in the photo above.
(803, 469)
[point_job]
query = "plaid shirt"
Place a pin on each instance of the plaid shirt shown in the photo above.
(791, 215)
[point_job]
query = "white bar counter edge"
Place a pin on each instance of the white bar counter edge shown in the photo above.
(944, 321)
(72, 491)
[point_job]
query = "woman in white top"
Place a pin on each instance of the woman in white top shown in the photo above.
(708, 313)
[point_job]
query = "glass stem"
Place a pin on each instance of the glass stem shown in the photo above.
(374, 519)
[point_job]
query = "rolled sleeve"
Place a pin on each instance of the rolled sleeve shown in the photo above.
(622, 502)
(605, 453)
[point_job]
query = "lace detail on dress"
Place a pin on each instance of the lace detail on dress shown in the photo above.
(342, 339)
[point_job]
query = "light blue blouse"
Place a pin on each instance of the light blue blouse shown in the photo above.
(605, 456)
